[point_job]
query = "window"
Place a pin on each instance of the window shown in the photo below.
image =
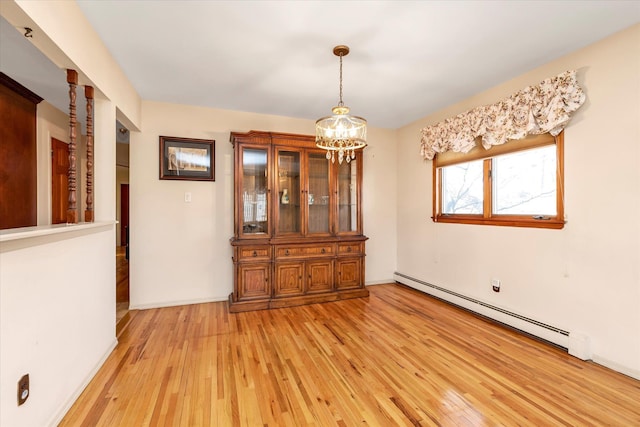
(516, 184)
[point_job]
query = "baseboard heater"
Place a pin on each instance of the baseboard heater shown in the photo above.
(525, 324)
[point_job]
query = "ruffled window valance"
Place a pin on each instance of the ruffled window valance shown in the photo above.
(542, 108)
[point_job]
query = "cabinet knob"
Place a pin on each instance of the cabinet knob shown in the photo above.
(323, 251)
(255, 253)
(349, 249)
(286, 252)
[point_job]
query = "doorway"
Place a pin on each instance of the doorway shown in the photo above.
(123, 315)
(122, 256)
(59, 181)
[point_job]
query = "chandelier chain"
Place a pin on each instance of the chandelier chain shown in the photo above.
(341, 104)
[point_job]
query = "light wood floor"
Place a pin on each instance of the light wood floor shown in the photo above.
(396, 358)
(122, 275)
(122, 290)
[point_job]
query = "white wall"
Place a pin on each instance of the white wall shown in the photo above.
(57, 311)
(584, 278)
(180, 252)
(57, 302)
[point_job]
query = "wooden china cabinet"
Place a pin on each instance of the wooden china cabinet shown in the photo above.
(298, 223)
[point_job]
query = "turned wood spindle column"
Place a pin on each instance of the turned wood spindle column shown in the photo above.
(88, 213)
(72, 212)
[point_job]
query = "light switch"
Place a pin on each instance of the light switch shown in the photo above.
(187, 197)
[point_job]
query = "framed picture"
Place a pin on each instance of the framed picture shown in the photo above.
(187, 159)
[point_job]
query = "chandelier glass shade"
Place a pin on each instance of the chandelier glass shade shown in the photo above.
(340, 132)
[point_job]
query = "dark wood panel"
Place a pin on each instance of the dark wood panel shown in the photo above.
(59, 181)
(18, 151)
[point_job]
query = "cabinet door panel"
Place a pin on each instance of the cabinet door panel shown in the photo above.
(318, 196)
(348, 199)
(289, 279)
(290, 193)
(253, 281)
(349, 273)
(253, 192)
(319, 276)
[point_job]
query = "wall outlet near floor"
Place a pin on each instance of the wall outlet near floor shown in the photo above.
(187, 197)
(495, 284)
(23, 389)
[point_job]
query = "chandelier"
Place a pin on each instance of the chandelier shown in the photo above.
(341, 132)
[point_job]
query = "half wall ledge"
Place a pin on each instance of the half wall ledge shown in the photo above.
(23, 233)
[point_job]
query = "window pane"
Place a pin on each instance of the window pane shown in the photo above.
(524, 183)
(462, 188)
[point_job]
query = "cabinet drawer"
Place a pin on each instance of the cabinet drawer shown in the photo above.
(351, 248)
(304, 251)
(254, 253)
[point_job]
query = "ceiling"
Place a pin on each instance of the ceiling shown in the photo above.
(408, 58)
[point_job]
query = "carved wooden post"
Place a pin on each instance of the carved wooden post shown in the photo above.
(88, 213)
(72, 213)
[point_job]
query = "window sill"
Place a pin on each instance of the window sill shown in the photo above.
(527, 222)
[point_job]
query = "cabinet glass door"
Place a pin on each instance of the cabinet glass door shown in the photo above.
(254, 192)
(288, 182)
(348, 196)
(318, 194)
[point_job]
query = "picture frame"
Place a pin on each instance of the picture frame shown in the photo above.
(187, 159)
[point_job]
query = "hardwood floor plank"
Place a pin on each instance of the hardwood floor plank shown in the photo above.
(396, 358)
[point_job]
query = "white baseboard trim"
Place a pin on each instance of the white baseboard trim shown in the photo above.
(164, 304)
(380, 282)
(633, 373)
(576, 343)
(72, 399)
(538, 329)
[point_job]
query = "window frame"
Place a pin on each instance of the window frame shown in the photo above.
(487, 217)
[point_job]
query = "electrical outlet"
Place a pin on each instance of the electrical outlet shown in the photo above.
(23, 389)
(495, 284)
(187, 197)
